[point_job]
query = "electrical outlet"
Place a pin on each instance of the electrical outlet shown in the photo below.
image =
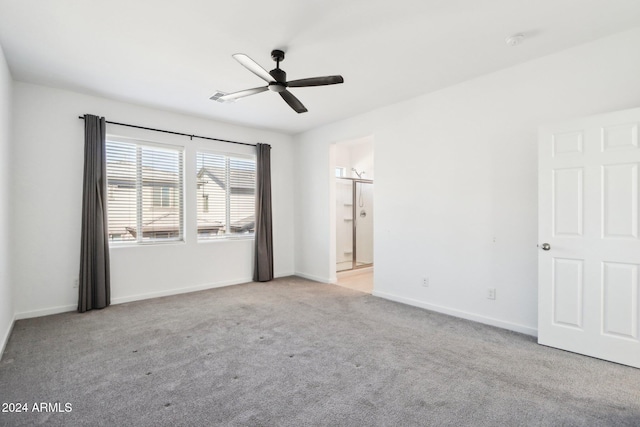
(75, 283)
(425, 282)
(491, 293)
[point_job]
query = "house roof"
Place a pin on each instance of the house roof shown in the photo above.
(239, 178)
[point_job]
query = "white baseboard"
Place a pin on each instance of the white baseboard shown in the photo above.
(286, 274)
(169, 292)
(138, 297)
(5, 339)
(459, 313)
(46, 311)
(312, 277)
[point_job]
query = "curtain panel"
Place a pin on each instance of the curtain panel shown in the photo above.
(263, 259)
(94, 285)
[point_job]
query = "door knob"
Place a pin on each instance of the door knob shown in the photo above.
(545, 246)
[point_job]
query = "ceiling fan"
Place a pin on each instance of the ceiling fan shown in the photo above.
(277, 81)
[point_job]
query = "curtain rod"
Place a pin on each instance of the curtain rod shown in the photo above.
(175, 133)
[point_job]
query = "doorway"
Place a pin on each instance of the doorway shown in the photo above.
(354, 234)
(354, 214)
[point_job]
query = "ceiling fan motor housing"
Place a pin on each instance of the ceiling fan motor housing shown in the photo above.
(278, 75)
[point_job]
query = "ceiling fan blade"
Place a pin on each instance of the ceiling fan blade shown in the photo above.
(243, 93)
(293, 102)
(253, 66)
(316, 81)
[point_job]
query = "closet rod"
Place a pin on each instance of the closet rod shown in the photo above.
(175, 133)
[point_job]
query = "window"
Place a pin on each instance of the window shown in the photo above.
(163, 197)
(226, 195)
(145, 184)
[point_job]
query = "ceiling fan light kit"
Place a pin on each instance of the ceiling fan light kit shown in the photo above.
(276, 82)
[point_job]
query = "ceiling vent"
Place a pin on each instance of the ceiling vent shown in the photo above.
(515, 39)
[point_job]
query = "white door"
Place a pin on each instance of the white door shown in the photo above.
(589, 247)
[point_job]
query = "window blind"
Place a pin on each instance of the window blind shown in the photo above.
(226, 195)
(145, 192)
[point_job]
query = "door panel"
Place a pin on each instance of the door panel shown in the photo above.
(567, 202)
(568, 285)
(620, 137)
(566, 143)
(588, 204)
(620, 201)
(620, 305)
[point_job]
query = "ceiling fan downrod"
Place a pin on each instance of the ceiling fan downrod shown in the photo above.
(277, 55)
(280, 76)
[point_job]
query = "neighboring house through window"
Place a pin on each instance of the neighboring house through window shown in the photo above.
(163, 197)
(226, 195)
(146, 191)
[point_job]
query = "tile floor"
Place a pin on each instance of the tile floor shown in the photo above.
(357, 280)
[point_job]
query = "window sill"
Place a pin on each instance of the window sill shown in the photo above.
(227, 239)
(141, 244)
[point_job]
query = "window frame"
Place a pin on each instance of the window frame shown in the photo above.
(228, 156)
(182, 230)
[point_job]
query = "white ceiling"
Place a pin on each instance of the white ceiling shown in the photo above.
(175, 54)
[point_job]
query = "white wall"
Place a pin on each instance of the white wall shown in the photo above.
(362, 158)
(47, 188)
(357, 155)
(6, 295)
(456, 180)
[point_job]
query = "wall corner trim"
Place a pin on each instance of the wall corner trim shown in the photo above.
(5, 339)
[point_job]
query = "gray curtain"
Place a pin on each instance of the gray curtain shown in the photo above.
(94, 287)
(263, 260)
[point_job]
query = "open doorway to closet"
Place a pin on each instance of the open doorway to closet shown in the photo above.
(354, 184)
